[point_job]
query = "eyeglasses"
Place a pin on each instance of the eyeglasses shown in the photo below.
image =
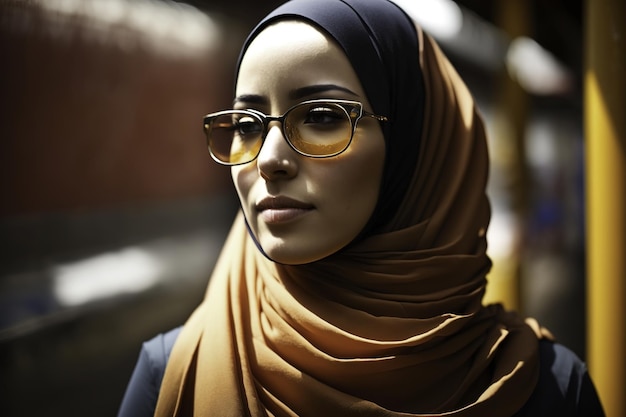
(313, 128)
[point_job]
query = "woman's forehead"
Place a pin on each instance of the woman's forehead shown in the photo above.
(289, 30)
(291, 54)
(294, 38)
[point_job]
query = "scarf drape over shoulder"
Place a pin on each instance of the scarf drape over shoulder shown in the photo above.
(392, 325)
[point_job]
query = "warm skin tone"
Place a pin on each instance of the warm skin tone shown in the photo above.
(302, 209)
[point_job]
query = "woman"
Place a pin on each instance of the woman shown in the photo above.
(351, 282)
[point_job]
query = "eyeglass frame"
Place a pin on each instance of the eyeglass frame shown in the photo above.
(266, 119)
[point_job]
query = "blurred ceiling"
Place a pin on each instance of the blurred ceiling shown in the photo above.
(557, 25)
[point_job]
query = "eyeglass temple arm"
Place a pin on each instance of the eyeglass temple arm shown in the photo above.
(375, 116)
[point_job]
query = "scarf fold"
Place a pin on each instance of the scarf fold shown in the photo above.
(392, 325)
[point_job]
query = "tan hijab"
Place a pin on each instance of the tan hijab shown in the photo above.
(391, 326)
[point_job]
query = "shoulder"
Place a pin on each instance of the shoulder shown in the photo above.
(564, 387)
(155, 353)
(158, 350)
(143, 388)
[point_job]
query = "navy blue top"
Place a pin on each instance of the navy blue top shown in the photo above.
(564, 388)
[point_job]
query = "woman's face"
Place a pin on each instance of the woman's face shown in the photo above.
(303, 209)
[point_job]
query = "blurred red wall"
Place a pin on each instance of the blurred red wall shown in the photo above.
(89, 121)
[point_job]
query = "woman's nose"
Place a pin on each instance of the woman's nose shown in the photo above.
(276, 159)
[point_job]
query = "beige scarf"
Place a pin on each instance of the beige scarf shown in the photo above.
(391, 326)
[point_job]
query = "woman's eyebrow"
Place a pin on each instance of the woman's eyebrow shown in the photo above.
(310, 90)
(250, 98)
(296, 94)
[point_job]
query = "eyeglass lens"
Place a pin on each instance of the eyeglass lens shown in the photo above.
(313, 129)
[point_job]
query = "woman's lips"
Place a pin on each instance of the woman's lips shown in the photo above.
(281, 209)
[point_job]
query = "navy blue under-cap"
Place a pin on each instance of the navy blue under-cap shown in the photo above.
(381, 43)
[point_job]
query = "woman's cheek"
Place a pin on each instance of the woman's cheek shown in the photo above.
(243, 179)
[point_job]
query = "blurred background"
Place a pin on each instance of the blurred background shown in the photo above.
(112, 213)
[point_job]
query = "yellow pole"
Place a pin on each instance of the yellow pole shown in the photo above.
(605, 135)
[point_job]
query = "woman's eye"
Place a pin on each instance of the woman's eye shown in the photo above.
(247, 126)
(323, 115)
